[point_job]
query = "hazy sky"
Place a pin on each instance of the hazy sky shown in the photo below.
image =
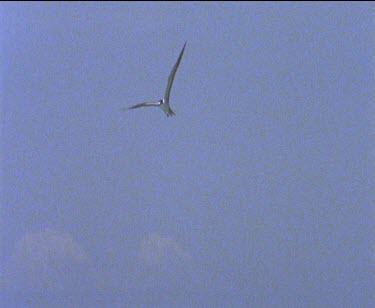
(258, 193)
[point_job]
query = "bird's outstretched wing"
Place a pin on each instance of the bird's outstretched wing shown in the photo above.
(141, 105)
(172, 74)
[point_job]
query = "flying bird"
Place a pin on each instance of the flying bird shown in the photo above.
(164, 103)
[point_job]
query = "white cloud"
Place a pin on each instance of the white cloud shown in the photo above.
(156, 249)
(49, 260)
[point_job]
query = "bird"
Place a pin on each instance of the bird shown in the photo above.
(164, 102)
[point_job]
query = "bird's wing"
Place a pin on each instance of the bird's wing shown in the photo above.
(142, 105)
(171, 76)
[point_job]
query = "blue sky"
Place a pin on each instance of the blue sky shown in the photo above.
(258, 193)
